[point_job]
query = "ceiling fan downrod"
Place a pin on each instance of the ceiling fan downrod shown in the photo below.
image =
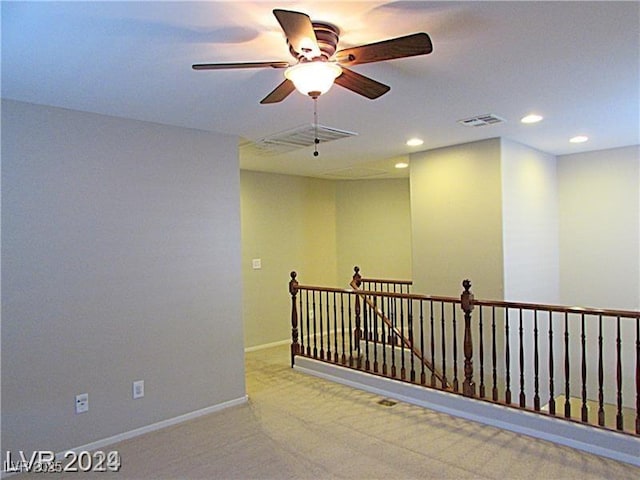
(316, 140)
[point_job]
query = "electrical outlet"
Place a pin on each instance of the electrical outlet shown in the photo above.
(82, 403)
(256, 263)
(138, 389)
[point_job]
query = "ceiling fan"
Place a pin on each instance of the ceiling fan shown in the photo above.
(318, 65)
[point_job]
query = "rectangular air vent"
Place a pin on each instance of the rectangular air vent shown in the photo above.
(482, 120)
(299, 137)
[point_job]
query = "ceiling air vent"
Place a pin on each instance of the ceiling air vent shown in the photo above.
(482, 120)
(299, 137)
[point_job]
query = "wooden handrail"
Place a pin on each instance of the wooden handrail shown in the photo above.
(386, 280)
(529, 359)
(405, 340)
(355, 283)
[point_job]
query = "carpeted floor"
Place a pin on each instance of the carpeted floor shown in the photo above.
(300, 427)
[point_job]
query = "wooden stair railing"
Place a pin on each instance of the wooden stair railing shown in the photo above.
(355, 283)
(572, 363)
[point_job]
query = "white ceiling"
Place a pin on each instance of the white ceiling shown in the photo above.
(575, 63)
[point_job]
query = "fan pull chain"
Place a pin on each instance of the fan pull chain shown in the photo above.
(316, 140)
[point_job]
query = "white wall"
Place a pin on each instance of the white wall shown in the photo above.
(600, 228)
(121, 261)
(530, 224)
(320, 228)
(456, 220)
(374, 229)
(288, 222)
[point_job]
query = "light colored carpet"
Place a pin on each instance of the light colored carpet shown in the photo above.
(300, 427)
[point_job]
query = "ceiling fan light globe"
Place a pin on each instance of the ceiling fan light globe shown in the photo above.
(313, 78)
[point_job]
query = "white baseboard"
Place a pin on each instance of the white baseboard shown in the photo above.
(255, 348)
(158, 425)
(617, 446)
(105, 442)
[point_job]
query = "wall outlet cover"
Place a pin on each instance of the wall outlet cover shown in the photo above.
(82, 403)
(138, 389)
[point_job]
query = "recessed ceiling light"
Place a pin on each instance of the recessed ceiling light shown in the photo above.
(415, 142)
(579, 139)
(531, 118)
(402, 165)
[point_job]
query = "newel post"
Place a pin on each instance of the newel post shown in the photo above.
(293, 290)
(357, 280)
(468, 386)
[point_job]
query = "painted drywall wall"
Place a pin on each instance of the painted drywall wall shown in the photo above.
(121, 262)
(530, 224)
(599, 228)
(288, 222)
(374, 228)
(456, 219)
(321, 229)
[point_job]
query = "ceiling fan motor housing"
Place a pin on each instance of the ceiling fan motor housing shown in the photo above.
(327, 36)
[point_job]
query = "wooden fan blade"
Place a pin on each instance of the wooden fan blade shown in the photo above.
(224, 66)
(362, 85)
(279, 93)
(408, 46)
(299, 32)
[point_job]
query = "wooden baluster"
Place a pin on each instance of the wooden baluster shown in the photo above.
(600, 375)
(444, 347)
(328, 325)
(384, 336)
(536, 364)
(344, 353)
(357, 334)
(619, 418)
(638, 375)
(423, 376)
(507, 393)
(293, 290)
(523, 399)
(403, 370)
(335, 328)
(433, 346)
(375, 334)
(350, 330)
(481, 353)
(315, 325)
(552, 400)
(412, 371)
(302, 330)
(321, 322)
(583, 337)
(392, 337)
(567, 368)
(308, 324)
(494, 356)
(468, 385)
(455, 348)
(367, 334)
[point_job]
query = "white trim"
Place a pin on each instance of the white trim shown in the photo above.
(329, 334)
(621, 447)
(158, 425)
(266, 345)
(98, 444)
